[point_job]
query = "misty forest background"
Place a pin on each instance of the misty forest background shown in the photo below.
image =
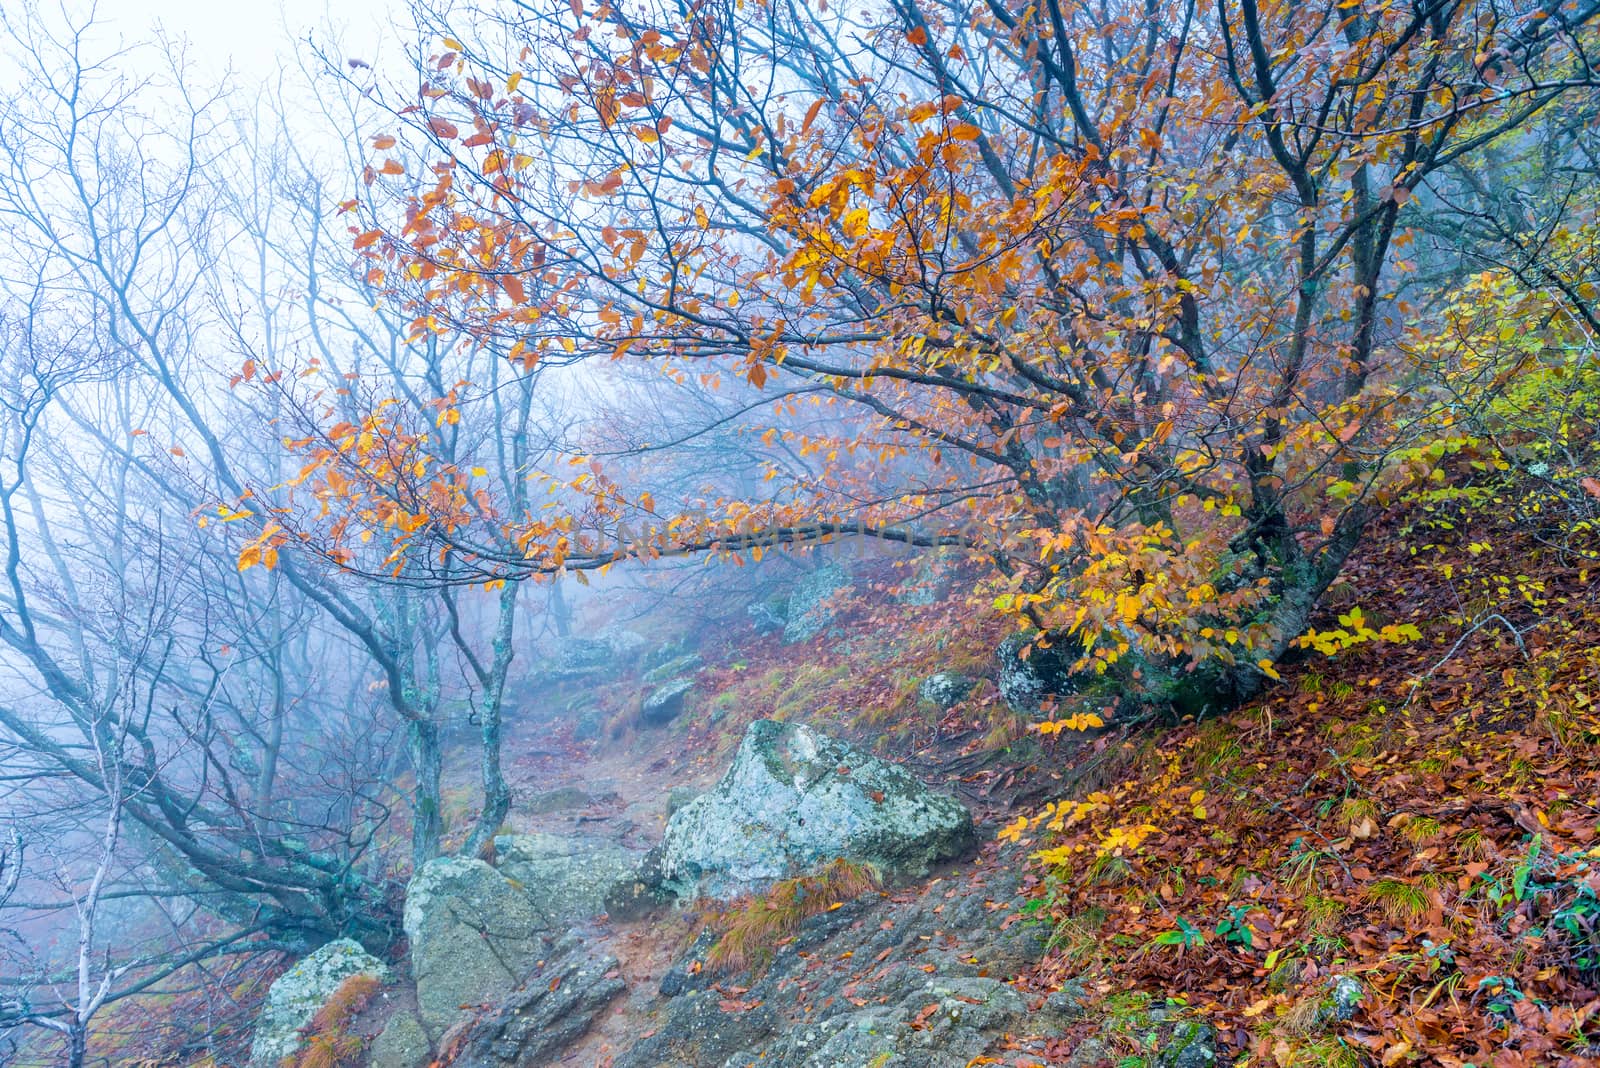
(333, 409)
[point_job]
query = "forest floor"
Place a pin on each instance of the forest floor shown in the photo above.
(1413, 809)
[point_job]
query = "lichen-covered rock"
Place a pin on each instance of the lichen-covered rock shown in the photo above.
(627, 646)
(795, 798)
(956, 1020)
(559, 1003)
(613, 650)
(811, 604)
(1345, 994)
(565, 879)
(298, 993)
(1186, 1043)
(688, 664)
(1026, 680)
(589, 724)
(583, 654)
(767, 616)
(665, 703)
(560, 799)
(931, 580)
(679, 796)
(473, 933)
(945, 689)
(401, 1044)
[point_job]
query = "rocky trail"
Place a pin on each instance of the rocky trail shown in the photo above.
(598, 932)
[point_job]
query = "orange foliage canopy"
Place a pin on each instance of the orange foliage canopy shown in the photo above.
(1112, 289)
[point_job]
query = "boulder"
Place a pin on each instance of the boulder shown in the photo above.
(679, 796)
(794, 799)
(627, 646)
(564, 879)
(811, 604)
(932, 579)
(1026, 680)
(945, 1022)
(583, 654)
(472, 932)
(297, 995)
(572, 985)
(688, 664)
(561, 799)
(767, 616)
(665, 703)
(945, 689)
(612, 650)
(401, 1044)
(589, 724)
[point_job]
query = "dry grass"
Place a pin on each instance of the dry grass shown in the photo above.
(753, 928)
(328, 1044)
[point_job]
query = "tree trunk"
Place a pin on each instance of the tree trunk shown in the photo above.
(422, 742)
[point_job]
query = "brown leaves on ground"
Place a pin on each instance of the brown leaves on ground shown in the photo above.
(1421, 818)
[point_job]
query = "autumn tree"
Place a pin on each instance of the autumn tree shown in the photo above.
(1116, 293)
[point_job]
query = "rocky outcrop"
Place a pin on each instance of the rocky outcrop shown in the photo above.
(665, 703)
(812, 607)
(472, 932)
(565, 879)
(559, 1002)
(561, 799)
(941, 1022)
(677, 667)
(793, 799)
(932, 579)
(1030, 672)
(613, 650)
(401, 1044)
(945, 689)
(583, 654)
(296, 996)
(768, 617)
(919, 982)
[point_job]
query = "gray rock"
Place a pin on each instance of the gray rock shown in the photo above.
(1179, 1040)
(665, 703)
(931, 581)
(967, 1015)
(473, 934)
(565, 879)
(1090, 1053)
(687, 664)
(614, 649)
(589, 724)
(1025, 681)
(583, 654)
(768, 616)
(794, 799)
(297, 995)
(945, 689)
(811, 608)
(627, 646)
(560, 799)
(532, 1026)
(679, 796)
(401, 1044)
(1344, 997)
(701, 1033)
(689, 972)
(1188, 1044)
